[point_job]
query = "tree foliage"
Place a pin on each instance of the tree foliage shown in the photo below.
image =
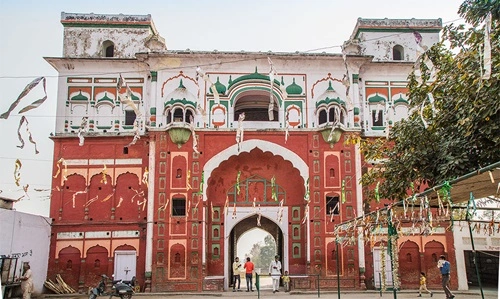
(263, 254)
(457, 132)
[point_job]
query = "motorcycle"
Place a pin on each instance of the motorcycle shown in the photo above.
(121, 288)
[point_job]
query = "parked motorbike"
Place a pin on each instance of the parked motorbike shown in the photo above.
(121, 288)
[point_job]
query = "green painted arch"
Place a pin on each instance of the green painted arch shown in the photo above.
(254, 76)
(182, 102)
(251, 88)
(376, 98)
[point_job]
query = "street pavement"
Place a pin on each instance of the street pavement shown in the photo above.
(491, 293)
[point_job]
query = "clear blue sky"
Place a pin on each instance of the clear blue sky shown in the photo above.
(31, 30)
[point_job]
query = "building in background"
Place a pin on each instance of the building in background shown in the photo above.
(25, 239)
(164, 158)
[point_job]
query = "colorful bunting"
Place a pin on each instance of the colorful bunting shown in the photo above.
(238, 182)
(104, 172)
(273, 189)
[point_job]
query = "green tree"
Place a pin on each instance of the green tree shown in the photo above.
(263, 254)
(461, 132)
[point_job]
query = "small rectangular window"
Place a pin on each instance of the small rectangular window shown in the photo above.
(178, 207)
(332, 205)
(129, 117)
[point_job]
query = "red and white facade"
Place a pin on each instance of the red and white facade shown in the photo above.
(169, 208)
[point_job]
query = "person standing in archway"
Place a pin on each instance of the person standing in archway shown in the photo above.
(249, 266)
(236, 274)
(275, 273)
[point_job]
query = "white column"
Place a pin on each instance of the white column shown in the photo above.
(359, 206)
(151, 206)
(308, 239)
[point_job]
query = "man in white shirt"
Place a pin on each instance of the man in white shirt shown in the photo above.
(275, 273)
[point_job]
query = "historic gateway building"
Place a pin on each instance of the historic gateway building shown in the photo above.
(164, 158)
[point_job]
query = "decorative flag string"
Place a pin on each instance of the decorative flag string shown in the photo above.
(30, 137)
(346, 81)
(188, 179)
(119, 202)
(200, 193)
(306, 187)
(137, 133)
(193, 134)
(206, 78)
(126, 99)
(17, 172)
(273, 189)
(145, 177)
(202, 112)
(239, 131)
(74, 196)
(65, 171)
(306, 214)
(259, 216)
(81, 130)
(487, 48)
(188, 208)
(287, 126)
(335, 122)
(238, 182)
(280, 211)
(164, 207)
(272, 73)
(226, 206)
(25, 91)
(234, 211)
(212, 212)
(342, 192)
(104, 179)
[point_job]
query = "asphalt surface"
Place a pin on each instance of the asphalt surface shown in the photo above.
(490, 293)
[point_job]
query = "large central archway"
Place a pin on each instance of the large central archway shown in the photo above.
(260, 181)
(268, 222)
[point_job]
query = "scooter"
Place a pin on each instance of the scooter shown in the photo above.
(121, 288)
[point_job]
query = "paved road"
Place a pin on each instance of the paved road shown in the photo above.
(268, 294)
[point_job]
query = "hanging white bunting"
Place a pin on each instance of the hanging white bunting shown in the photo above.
(30, 137)
(287, 126)
(193, 134)
(346, 81)
(17, 172)
(487, 48)
(137, 134)
(81, 130)
(25, 91)
(126, 99)
(211, 85)
(272, 73)
(239, 131)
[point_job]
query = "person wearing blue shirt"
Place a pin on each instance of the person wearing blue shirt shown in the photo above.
(444, 267)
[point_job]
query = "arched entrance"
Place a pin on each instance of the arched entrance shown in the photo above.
(268, 223)
(261, 181)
